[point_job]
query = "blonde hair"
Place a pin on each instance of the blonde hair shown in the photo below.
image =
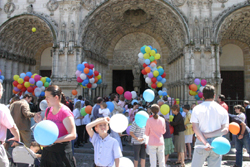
(104, 105)
(122, 98)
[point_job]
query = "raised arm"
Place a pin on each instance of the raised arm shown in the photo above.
(94, 123)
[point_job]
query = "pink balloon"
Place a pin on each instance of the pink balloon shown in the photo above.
(200, 94)
(128, 95)
(79, 80)
(78, 73)
(91, 66)
(203, 82)
(37, 77)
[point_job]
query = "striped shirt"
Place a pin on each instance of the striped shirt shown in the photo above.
(138, 132)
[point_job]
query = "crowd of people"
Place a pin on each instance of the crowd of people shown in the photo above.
(192, 126)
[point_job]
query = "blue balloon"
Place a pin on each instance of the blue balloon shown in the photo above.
(161, 71)
(155, 50)
(160, 92)
(39, 84)
(141, 118)
(110, 106)
(181, 109)
(29, 74)
(150, 47)
(143, 49)
(124, 111)
(46, 132)
(148, 95)
(134, 101)
(37, 94)
(99, 81)
(221, 145)
(86, 81)
(2, 77)
(48, 80)
(90, 72)
(80, 67)
(163, 80)
(22, 75)
(164, 93)
(147, 61)
(42, 94)
(159, 78)
(197, 97)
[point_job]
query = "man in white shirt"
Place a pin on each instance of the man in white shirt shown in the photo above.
(209, 120)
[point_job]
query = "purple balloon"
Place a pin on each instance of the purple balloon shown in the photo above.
(128, 130)
(150, 75)
(16, 89)
(197, 81)
(203, 82)
(31, 80)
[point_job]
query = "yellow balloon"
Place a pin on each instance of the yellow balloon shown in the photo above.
(159, 84)
(192, 93)
(146, 56)
(165, 109)
(156, 73)
(177, 101)
(157, 56)
(84, 86)
(27, 84)
(15, 77)
(152, 52)
(43, 79)
(20, 80)
(147, 49)
(99, 76)
(33, 29)
(171, 117)
(159, 67)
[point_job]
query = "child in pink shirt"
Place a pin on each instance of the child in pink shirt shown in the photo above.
(155, 128)
(121, 101)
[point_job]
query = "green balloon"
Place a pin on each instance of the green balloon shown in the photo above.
(46, 84)
(83, 113)
(152, 58)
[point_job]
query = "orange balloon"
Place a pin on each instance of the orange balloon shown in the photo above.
(147, 69)
(33, 93)
(154, 62)
(193, 87)
(15, 92)
(74, 92)
(88, 109)
(234, 128)
(96, 79)
(86, 70)
(19, 86)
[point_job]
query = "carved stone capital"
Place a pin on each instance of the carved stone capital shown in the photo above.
(9, 8)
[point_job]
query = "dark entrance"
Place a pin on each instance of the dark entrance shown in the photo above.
(232, 85)
(45, 73)
(123, 78)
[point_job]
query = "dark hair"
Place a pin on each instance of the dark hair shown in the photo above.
(165, 98)
(134, 104)
(222, 97)
(54, 90)
(80, 97)
(95, 99)
(27, 95)
(242, 109)
(86, 103)
(15, 98)
(208, 92)
(175, 108)
(130, 105)
(99, 100)
(187, 107)
(155, 109)
(34, 144)
(113, 96)
(63, 99)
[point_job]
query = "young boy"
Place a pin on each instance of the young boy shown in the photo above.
(106, 148)
(35, 147)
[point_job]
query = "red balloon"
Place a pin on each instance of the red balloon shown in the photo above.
(15, 83)
(91, 76)
(150, 116)
(153, 85)
(86, 65)
(189, 87)
(143, 72)
(20, 93)
(144, 65)
(91, 66)
(30, 89)
(119, 90)
(26, 78)
(171, 129)
(89, 85)
(96, 73)
(163, 75)
(153, 80)
(23, 89)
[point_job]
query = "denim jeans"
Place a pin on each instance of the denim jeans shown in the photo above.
(245, 141)
(200, 155)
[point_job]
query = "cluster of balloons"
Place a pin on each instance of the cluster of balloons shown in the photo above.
(1, 77)
(30, 84)
(154, 76)
(86, 75)
(196, 88)
(162, 92)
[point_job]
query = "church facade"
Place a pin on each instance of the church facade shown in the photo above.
(206, 39)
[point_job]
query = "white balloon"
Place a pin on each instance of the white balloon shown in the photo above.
(83, 76)
(152, 64)
(201, 88)
(94, 85)
(92, 80)
(133, 94)
(1, 81)
(118, 123)
(140, 55)
(125, 162)
(42, 88)
(148, 80)
(164, 89)
(38, 90)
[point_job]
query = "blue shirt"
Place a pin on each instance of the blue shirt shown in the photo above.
(96, 112)
(105, 150)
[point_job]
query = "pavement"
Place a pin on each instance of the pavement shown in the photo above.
(85, 157)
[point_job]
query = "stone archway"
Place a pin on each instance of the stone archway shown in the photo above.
(104, 27)
(20, 48)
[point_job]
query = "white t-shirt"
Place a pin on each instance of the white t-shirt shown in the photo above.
(242, 117)
(77, 114)
(105, 112)
(210, 116)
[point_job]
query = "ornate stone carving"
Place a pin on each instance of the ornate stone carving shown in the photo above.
(9, 8)
(178, 2)
(71, 38)
(30, 9)
(31, 1)
(62, 39)
(222, 1)
(52, 6)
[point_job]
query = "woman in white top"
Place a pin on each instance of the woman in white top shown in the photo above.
(78, 121)
(85, 121)
(240, 110)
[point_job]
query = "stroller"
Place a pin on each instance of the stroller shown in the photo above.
(23, 157)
